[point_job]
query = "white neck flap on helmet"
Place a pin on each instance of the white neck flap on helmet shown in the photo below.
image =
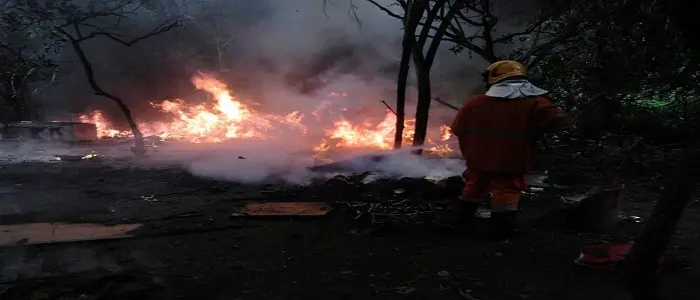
(515, 88)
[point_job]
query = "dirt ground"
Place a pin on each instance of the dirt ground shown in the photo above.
(211, 256)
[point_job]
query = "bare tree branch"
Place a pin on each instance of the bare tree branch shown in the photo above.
(429, 20)
(435, 44)
(397, 16)
(164, 27)
(569, 31)
(530, 29)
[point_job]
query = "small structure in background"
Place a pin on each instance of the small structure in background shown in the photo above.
(50, 131)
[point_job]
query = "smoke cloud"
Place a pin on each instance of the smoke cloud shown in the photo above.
(275, 52)
(283, 56)
(273, 161)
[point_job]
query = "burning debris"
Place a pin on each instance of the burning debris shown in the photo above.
(230, 118)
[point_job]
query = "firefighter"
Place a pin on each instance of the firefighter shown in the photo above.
(497, 135)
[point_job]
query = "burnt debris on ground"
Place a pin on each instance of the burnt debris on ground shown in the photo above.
(407, 201)
(189, 245)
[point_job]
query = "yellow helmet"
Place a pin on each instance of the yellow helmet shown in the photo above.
(503, 69)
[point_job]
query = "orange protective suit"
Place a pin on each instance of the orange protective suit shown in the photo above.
(497, 138)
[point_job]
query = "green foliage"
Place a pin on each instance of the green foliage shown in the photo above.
(24, 44)
(26, 56)
(628, 63)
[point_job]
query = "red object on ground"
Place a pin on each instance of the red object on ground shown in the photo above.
(606, 256)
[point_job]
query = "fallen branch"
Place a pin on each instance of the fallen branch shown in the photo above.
(438, 100)
(178, 216)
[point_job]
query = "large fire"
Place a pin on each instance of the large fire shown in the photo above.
(230, 118)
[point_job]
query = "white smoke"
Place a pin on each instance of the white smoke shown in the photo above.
(343, 51)
(285, 55)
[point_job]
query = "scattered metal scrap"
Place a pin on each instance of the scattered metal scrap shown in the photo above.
(631, 218)
(74, 158)
(395, 211)
(411, 201)
(149, 198)
(407, 201)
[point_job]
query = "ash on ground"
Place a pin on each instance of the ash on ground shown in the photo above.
(404, 201)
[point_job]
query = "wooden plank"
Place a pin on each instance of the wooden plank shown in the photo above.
(272, 209)
(46, 233)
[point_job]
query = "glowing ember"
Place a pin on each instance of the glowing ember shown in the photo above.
(230, 118)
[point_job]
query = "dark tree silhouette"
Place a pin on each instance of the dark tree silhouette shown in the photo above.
(77, 24)
(681, 186)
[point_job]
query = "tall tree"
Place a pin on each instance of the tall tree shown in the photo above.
(470, 25)
(415, 11)
(441, 11)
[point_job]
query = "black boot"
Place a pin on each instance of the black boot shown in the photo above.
(502, 225)
(464, 213)
(461, 216)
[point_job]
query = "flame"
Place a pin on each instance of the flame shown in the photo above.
(104, 127)
(344, 134)
(230, 118)
(366, 135)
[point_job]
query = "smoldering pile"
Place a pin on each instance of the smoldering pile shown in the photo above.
(403, 201)
(392, 189)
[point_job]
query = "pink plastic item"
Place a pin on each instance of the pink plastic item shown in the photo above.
(606, 256)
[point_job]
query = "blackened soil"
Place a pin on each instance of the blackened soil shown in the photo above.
(190, 248)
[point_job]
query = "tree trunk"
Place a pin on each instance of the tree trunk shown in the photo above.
(412, 18)
(139, 146)
(488, 21)
(401, 87)
(642, 262)
(7, 111)
(422, 109)
(423, 65)
(15, 102)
